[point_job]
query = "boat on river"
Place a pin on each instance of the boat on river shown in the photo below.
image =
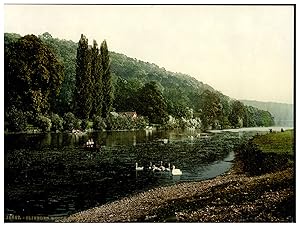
(92, 146)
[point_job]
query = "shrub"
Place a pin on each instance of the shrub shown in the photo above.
(172, 123)
(16, 119)
(114, 122)
(255, 162)
(57, 122)
(43, 123)
(99, 123)
(140, 122)
(85, 124)
(69, 121)
(77, 123)
(31, 117)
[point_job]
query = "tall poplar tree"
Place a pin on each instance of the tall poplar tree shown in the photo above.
(106, 81)
(83, 96)
(96, 75)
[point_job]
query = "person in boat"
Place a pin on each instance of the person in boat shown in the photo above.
(92, 142)
(88, 143)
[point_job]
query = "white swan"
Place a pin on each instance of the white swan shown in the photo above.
(150, 167)
(168, 168)
(162, 167)
(155, 169)
(138, 168)
(176, 172)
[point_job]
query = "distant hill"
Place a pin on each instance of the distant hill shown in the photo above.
(283, 113)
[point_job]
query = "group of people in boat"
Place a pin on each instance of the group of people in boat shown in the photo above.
(90, 143)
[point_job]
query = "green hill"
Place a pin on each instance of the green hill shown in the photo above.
(183, 95)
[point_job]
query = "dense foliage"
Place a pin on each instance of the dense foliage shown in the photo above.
(266, 153)
(211, 109)
(33, 75)
(97, 75)
(46, 76)
(65, 50)
(283, 113)
(152, 103)
(84, 85)
(106, 81)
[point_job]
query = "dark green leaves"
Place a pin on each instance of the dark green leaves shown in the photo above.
(33, 75)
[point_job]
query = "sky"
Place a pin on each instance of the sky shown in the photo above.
(246, 52)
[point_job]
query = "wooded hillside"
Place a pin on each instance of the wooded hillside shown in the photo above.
(90, 82)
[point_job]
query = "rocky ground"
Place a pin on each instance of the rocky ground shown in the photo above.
(233, 197)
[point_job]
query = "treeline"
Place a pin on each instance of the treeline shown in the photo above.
(283, 113)
(56, 84)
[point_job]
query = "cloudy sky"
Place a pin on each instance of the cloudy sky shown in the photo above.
(245, 52)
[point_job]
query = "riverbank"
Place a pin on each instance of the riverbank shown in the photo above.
(228, 198)
(232, 197)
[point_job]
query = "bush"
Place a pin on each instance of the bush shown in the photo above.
(172, 123)
(255, 162)
(99, 123)
(140, 122)
(116, 123)
(184, 123)
(43, 123)
(125, 122)
(85, 124)
(17, 120)
(69, 121)
(77, 123)
(57, 122)
(31, 117)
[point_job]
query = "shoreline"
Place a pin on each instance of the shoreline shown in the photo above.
(230, 197)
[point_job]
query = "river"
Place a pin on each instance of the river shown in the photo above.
(54, 175)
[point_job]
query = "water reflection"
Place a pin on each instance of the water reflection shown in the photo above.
(52, 174)
(110, 139)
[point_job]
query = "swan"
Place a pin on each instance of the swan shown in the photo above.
(150, 167)
(176, 172)
(155, 169)
(168, 168)
(138, 168)
(162, 167)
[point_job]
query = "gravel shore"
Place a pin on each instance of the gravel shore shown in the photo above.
(232, 197)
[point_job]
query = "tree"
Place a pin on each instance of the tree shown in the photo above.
(237, 115)
(126, 95)
(177, 102)
(33, 75)
(106, 81)
(152, 103)
(211, 109)
(66, 53)
(83, 93)
(96, 75)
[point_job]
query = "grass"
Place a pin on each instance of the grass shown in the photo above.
(280, 142)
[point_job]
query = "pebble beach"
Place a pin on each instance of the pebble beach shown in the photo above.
(231, 197)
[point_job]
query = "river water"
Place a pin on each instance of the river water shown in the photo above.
(54, 175)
